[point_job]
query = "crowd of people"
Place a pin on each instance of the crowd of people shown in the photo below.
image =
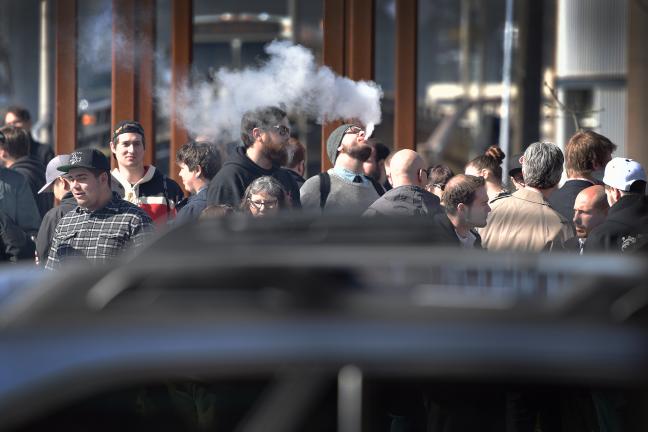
(73, 207)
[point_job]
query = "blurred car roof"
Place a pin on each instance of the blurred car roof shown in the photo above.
(239, 294)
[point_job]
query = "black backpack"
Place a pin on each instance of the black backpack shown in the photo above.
(325, 187)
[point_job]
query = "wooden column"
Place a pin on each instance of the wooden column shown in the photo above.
(333, 57)
(405, 75)
(65, 86)
(181, 47)
(145, 74)
(133, 43)
(360, 39)
(637, 90)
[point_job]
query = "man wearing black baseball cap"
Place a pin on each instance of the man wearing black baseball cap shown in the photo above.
(142, 185)
(103, 224)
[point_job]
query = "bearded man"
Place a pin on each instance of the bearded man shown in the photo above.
(264, 133)
(344, 188)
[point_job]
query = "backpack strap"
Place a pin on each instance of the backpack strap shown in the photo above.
(166, 197)
(325, 187)
(379, 189)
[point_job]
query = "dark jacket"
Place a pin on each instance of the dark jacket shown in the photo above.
(562, 200)
(572, 245)
(447, 233)
(17, 201)
(189, 209)
(625, 229)
(405, 201)
(15, 244)
(34, 172)
(298, 179)
(50, 220)
(41, 152)
(228, 186)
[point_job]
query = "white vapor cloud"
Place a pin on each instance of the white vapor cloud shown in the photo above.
(290, 78)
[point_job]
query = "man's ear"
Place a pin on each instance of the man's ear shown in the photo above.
(521, 160)
(198, 171)
(104, 177)
(461, 207)
(112, 147)
(419, 176)
(66, 184)
(256, 133)
(617, 194)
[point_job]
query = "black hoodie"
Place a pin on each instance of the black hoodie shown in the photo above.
(34, 172)
(229, 184)
(48, 225)
(625, 229)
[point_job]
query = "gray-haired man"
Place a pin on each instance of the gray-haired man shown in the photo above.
(525, 221)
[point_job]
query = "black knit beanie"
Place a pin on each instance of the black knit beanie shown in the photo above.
(334, 140)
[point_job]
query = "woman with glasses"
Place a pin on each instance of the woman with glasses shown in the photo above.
(264, 196)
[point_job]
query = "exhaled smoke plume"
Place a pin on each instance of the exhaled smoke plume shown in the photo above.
(290, 79)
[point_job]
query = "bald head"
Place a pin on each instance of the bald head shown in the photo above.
(590, 209)
(405, 167)
(594, 195)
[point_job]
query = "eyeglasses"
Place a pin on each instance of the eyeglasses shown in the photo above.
(353, 130)
(427, 171)
(439, 185)
(270, 204)
(282, 130)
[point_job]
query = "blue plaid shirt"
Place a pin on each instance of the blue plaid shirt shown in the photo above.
(99, 236)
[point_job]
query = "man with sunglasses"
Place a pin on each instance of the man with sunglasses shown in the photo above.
(344, 188)
(264, 132)
(408, 197)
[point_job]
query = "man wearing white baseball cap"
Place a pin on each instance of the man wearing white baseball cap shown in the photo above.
(64, 202)
(626, 227)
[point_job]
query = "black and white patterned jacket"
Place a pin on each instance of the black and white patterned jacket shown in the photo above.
(99, 236)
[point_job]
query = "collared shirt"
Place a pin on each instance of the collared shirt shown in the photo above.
(99, 236)
(467, 242)
(350, 175)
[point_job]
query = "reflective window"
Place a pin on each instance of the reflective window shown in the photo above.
(460, 56)
(19, 63)
(385, 59)
(94, 69)
(233, 35)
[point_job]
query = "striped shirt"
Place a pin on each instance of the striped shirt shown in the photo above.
(99, 236)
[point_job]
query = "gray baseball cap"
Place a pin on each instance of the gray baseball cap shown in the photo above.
(52, 173)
